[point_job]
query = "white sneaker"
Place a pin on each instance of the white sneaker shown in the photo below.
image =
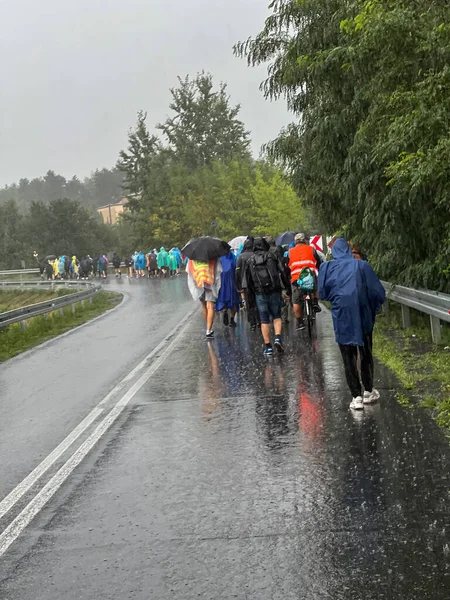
(371, 397)
(357, 403)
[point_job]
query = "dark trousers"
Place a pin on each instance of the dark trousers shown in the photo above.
(350, 358)
(252, 309)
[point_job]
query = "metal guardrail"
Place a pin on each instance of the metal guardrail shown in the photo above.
(20, 272)
(434, 304)
(20, 315)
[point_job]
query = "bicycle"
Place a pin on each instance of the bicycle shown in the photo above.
(306, 284)
(308, 313)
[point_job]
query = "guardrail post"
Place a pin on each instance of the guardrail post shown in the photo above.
(406, 317)
(435, 329)
(23, 325)
(73, 308)
(61, 312)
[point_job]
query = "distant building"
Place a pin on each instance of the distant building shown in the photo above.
(110, 212)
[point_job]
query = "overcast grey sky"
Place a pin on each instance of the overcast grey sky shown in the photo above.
(75, 73)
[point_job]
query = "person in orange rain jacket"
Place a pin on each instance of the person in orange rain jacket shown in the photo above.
(302, 256)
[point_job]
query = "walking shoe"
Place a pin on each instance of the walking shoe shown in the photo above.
(268, 351)
(300, 325)
(210, 334)
(371, 397)
(316, 308)
(225, 319)
(279, 345)
(357, 403)
(232, 322)
(252, 327)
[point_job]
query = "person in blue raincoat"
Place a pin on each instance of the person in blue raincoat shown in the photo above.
(140, 264)
(178, 258)
(356, 296)
(229, 298)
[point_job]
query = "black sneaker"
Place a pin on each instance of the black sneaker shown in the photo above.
(232, 322)
(279, 345)
(210, 334)
(225, 319)
(252, 327)
(300, 325)
(316, 308)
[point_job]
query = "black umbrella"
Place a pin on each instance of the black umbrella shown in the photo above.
(204, 249)
(284, 239)
(49, 257)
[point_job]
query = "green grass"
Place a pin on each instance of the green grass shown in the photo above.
(422, 368)
(11, 299)
(14, 339)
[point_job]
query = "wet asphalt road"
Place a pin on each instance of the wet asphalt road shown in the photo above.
(227, 476)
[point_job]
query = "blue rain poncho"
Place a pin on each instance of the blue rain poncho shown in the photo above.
(140, 261)
(355, 293)
(228, 295)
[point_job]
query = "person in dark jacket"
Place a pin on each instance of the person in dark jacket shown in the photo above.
(356, 296)
(116, 260)
(265, 277)
(287, 273)
(247, 295)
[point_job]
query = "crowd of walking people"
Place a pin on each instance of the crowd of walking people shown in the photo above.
(266, 279)
(154, 263)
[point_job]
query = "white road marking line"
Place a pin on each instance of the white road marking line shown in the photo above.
(8, 502)
(15, 528)
(22, 488)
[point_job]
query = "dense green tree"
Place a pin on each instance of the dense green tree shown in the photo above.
(204, 126)
(369, 82)
(102, 187)
(66, 227)
(12, 236)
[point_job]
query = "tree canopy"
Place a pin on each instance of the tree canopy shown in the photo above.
(104, 186)
(369, 82)
(200, 171)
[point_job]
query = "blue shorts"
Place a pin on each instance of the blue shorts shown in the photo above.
(269, 305)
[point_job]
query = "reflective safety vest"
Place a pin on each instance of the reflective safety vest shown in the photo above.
(301, 256)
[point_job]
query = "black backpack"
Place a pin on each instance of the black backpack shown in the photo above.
(264, 273)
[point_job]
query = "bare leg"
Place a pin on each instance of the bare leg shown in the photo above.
(210, 306)
(204, 311)
(297, 311)
(265, 330)
(277, 325)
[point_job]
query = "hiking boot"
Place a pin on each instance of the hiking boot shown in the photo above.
(300, 326)
(371, 397)
(279, 345)
(357, 403)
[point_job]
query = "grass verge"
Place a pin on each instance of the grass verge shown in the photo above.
(11, 299)
(14, 340)
(422, 368)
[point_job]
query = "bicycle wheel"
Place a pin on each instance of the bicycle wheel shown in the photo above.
(309, 317)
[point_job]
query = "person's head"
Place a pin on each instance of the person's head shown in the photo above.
(260, 245)
(300, 238)
(341, 250)
(248, 245)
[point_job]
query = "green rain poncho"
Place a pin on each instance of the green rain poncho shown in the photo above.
(173, 265)
(163, 258)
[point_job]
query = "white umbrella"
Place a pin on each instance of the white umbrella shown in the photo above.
(236, 242)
